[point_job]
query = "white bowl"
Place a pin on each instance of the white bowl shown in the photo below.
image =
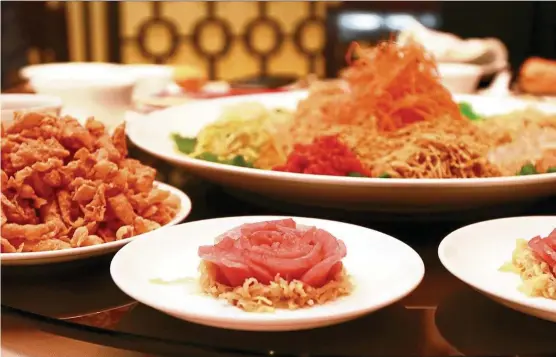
(12, 103)
(66, 69)
(151, 78)
(460, 78)
(105, 94)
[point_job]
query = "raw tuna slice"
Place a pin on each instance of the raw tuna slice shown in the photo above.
(265, 250)
(236, 232)
(551, 239)
(545, 249)
(334, 250)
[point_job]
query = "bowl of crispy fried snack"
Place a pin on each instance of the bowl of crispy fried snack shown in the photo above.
(70, 191)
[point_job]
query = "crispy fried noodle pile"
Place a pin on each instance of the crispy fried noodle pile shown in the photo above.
(65, 185)
(253, 296)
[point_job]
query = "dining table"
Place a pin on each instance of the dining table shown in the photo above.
(78, 301)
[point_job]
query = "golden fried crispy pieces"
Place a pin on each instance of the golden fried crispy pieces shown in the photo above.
(65, 185)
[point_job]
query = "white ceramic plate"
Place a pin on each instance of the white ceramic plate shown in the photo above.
(152, 134)
(384, 271)
(475, 253)
(58, 256)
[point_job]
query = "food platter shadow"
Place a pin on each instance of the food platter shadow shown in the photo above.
(77, 266)
(467, 215)
(421, 230)
(476, 325)
(62, 290)
(376, 334)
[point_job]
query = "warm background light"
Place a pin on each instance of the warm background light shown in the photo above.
(238, 62)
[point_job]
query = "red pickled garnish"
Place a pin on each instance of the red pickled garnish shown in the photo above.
(325, 156)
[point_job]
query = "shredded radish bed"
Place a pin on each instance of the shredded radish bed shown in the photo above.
(535, 262)
(253, 296)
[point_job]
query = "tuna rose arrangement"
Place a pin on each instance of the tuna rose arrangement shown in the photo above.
(262, 266)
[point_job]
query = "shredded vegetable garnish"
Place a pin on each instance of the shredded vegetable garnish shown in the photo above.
(535, 262)
(467, 110)
(386, 88)
(184, 144)
(527, 169)
(390, 110)
(241, 133)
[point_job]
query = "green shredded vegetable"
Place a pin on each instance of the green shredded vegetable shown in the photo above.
(208, 156)
(237, 160)
(184, 144)
(527, 169)
(384, 175)
(240, 161)
(355, 174)
(467, 110)
(187, 146)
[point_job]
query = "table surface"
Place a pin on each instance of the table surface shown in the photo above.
(442, 317)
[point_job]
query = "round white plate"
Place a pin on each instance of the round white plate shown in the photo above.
(383, 268)
(152, 134)
(475, 253)
(57, 256)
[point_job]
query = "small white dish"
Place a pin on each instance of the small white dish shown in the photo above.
(460, 78)
(384, 270)
(105, 93)
(58, 256)
(475, 253)
(12, 103)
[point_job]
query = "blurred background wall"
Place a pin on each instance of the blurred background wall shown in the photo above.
(230, 40)
(226, 39)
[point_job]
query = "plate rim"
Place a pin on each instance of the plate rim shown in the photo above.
(283, 320)
(183, 213)
(183, 160)
(525, 301)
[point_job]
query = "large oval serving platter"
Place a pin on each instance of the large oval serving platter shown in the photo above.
(152, 134)
(66, 255)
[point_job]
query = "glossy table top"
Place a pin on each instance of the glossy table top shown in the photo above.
(443, 317)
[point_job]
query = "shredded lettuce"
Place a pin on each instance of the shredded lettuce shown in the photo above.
(188, 145)
(466, 109)
(527, 169)
(184, 144)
